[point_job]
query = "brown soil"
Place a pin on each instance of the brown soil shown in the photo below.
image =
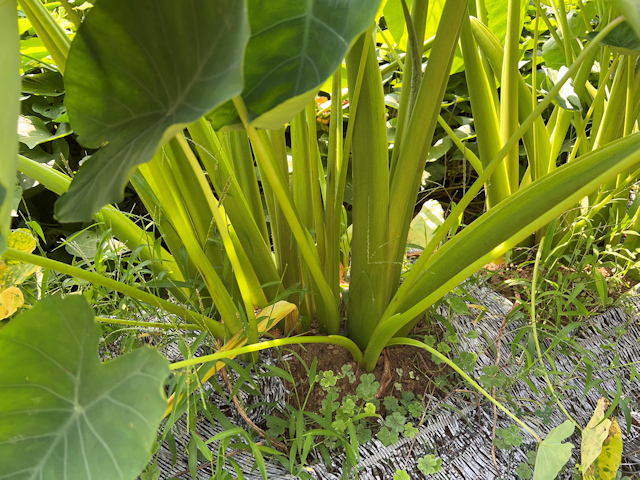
(396, 366)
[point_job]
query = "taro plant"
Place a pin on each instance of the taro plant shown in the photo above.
(189, 100)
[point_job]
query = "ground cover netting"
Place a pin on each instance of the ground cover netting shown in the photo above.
(459, 429)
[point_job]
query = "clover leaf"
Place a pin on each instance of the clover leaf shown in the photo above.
(410, 431)
(429, 464)
(396, 422)
(368, 387)
(387, 437)
(508, 437)
(493, 377)
(328, 379)
(391, 403)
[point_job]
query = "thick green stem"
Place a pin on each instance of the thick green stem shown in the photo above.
(329, 320)
(486, 120)
(509, 94)
(368, 291)
(175, 210)
(332, 260)
(406, 179)
(9, 99)
(391, 321)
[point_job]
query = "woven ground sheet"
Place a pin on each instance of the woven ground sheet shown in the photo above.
(462, 438)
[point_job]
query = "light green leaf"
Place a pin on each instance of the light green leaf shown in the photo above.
(9, 99)
(567, 98)
(295, 46)
(552, 453)
(401, 475)
(424, 224)
(137, 73)
(594, 435)
(32, 131)
(497, 12)
(394, 18)
(85, 244)
(65, 415)
(439, 149)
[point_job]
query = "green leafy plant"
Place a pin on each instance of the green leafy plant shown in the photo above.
(153, 102)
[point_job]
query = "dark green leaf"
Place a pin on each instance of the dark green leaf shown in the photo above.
(49, 84)
(631, 10)
(295, 46)
(137, 73)
(623, 39)
(65, 415)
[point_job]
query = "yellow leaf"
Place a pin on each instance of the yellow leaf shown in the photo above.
(22, 239)
(10, 300)
(14, 272)
(608, 461)
(593, 437)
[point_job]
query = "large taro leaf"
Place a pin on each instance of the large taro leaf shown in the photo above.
(295, 46)
(137, 72)
(64, 415)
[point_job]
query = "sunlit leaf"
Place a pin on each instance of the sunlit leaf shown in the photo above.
(552, 453)
(622, 39)
(394, 18)
(10, 300)
(593, 436)
(32, 131)
(424, 224)
(567, 98)
(47, 83)
(497, 15)
(138, 72)
(64, 414)
(608, 462)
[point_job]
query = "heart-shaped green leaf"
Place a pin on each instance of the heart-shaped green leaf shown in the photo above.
(295, 46)
(139, 71)
(64, 414)
(552, 453)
